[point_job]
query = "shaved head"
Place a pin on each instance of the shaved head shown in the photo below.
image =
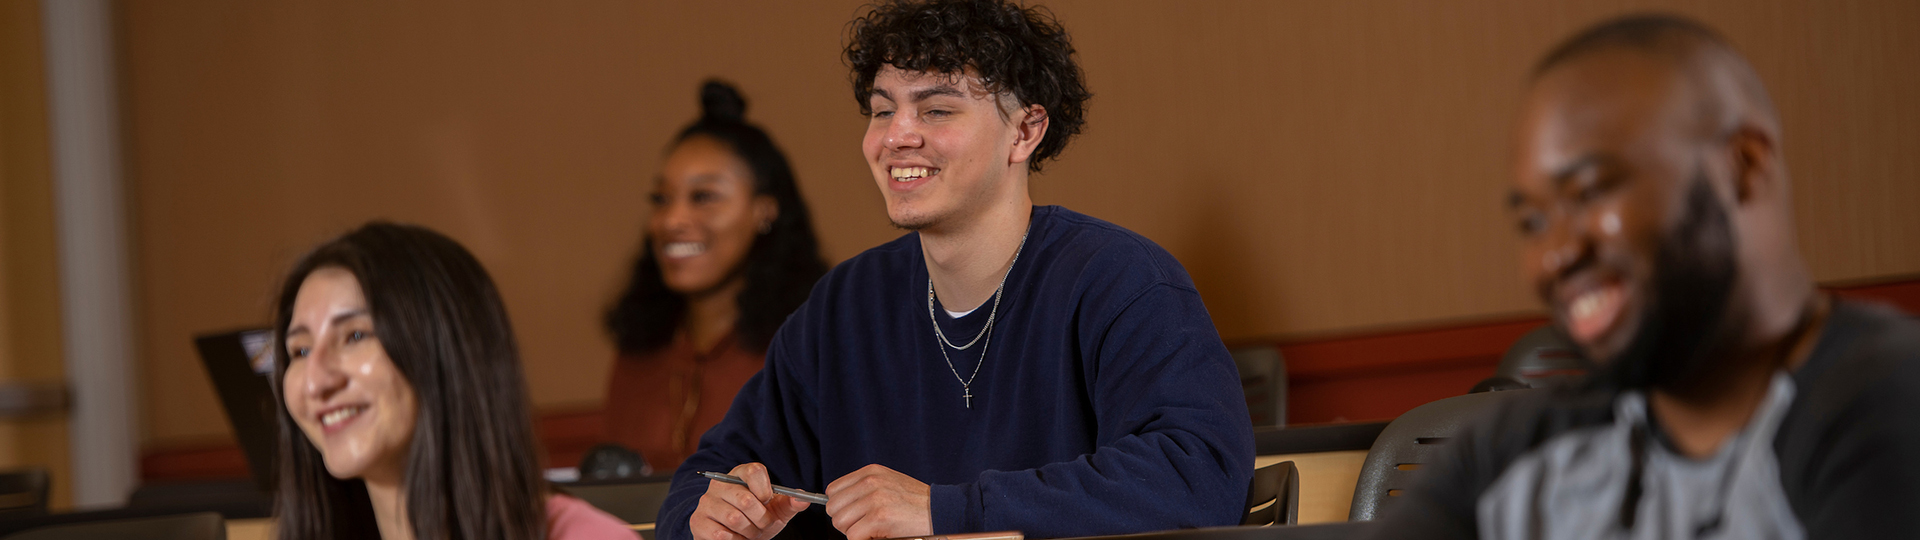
(1725, 90)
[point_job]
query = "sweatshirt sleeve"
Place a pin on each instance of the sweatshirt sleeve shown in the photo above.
(1848, 464)
(1175, 442)
(767, 423)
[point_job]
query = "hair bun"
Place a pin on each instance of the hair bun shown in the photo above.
(720, 101)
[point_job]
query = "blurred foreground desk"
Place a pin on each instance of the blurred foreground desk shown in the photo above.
(262, 529)
(1324, 531)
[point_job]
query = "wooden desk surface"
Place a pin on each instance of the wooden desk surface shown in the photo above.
(250, 529)
(1326, 482)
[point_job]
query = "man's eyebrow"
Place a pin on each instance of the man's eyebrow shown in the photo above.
(883, 94)
(1560, 177)
(1565, 173)
(942, 90)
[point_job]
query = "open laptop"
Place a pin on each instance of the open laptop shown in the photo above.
(240, 367)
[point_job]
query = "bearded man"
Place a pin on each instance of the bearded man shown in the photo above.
(1735, 400)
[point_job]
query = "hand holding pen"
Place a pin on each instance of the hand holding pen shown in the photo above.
(745, 506)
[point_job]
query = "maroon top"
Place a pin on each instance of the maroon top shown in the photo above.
(661, 402)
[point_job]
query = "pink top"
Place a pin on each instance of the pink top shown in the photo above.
(569, 518)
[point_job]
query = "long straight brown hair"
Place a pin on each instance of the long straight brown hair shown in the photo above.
(472, 471)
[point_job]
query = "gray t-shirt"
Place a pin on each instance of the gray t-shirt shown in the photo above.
(1829, 455)
(1576, 485)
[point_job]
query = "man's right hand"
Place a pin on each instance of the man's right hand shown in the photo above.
(751, 512)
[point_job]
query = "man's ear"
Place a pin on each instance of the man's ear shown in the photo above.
(1756, 164)
(1029, 127)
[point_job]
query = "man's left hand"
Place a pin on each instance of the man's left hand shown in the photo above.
(878, 502)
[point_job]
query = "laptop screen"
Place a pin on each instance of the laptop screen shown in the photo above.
(255, 343)
(240, 366)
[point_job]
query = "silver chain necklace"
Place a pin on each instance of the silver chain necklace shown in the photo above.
(966, 385)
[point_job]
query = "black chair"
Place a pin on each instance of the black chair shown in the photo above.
(233, 498)
(23, 492)
(1413, 439)
(1543, 357)
(1263, 377)
(197, 526)
(1498, 383)
(609, 461)
(1274, 496)
(634, 501)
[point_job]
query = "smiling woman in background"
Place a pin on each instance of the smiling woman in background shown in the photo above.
(404, 409)
(729, 253)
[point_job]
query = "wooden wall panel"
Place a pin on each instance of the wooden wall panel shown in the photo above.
(30, 340)
(1318, 166)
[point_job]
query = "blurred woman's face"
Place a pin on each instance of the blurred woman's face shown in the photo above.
(340, 386)
(705, 216)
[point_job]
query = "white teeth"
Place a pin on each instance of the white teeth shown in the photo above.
(1589, 303)
(677, 250)
(340, 415)
(909, 174)
(1584, 306)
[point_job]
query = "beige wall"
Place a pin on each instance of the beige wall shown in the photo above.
(1318, 166)
(29, 281)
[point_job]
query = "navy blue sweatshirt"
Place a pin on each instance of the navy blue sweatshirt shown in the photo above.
(1106, 402)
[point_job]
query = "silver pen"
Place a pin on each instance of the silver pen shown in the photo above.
(811, 497)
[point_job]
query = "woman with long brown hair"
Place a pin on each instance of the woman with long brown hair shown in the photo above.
(403, 408)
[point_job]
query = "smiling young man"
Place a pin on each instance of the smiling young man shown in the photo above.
(1001, 367)
(1735, 400)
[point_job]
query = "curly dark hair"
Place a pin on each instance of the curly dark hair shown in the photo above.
(1015, 49)
(780, 268)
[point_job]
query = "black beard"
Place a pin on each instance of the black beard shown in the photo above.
(1692, 287)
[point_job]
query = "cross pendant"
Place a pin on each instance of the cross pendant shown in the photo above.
(969, 396)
